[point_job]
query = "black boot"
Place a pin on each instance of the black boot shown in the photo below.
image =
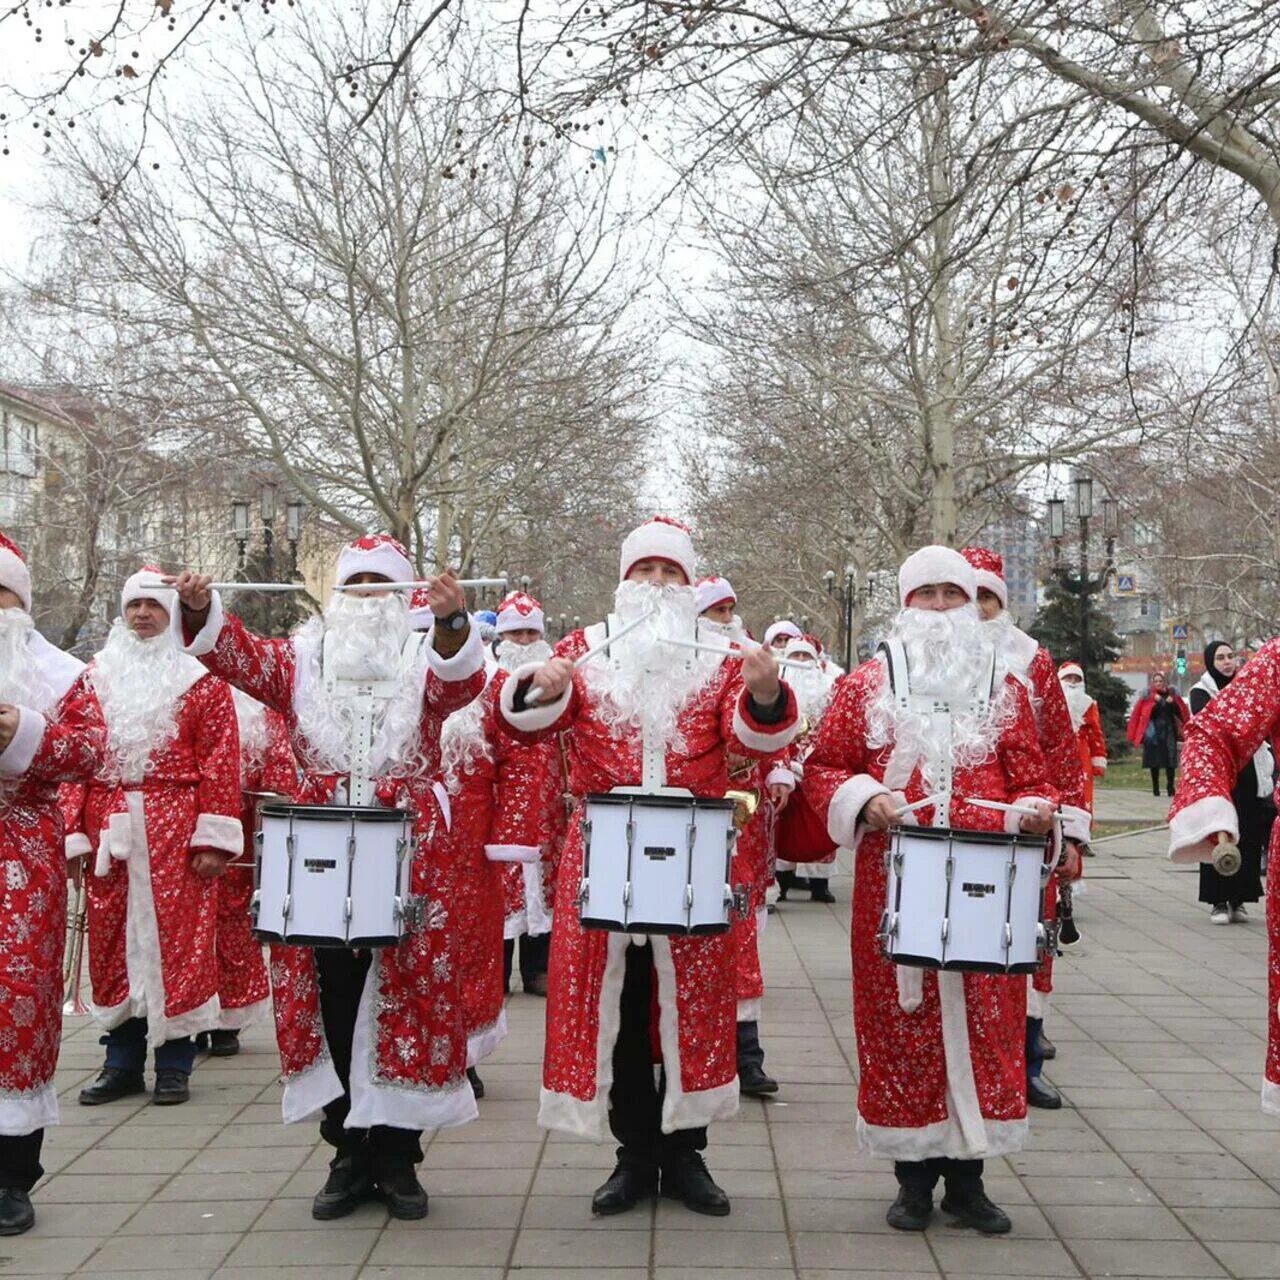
(970, 1205)
(347, 1186)
(911, 1211)
(1040, 1093)
(685, 1177)
(753, 1082)
(633, 1179)
(224, 1044)
(477, 1085)
(1045, 1047)
(112, 1083)
(172, 1088)
(16, 1213)
(402, 1193)
(786, 882)
(819, 892)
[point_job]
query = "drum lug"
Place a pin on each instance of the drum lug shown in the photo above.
(738, 900)
(626, 894)
(254, 903)
(584, 891)
(688, 897)
(286, 909)
(347, 911)
(1008, 935)
(1045, 872)
(946, 928)
(412, 911)
(897, 864)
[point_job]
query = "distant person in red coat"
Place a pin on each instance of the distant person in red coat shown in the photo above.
(1156, 725)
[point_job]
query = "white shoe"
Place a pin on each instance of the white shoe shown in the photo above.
(1239, 915)
(1219, 915)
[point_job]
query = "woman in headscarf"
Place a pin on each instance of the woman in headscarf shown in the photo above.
(1226, 895)
(1155, 725)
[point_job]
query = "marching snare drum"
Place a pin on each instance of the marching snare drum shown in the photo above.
(656, 863)
(964, 900)
(332, 875)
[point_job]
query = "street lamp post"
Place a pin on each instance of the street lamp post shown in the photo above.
(1082, 584)
(845, 595)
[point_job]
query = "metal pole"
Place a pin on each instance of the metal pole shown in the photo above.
(848, 622)
(1084, 594)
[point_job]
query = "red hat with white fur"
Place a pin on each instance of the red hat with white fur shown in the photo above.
(146, 584)
(520, 611)
(14, 573)
(1070, 669)
(935, 564)
(661, 538)
(783, 627)
(375, 553)
(988, 568)
(713, 591)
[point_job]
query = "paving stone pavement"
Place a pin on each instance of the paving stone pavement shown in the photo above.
(1161, 1165)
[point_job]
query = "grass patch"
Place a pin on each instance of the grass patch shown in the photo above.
(1122, 827)
(1126, 774)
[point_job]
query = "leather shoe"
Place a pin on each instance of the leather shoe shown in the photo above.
(753, 1082)
(16, 1213)
(224, 1044)
(404, 1196)
(630, 1182)
(346, 1187)
(819, 892)
(1046, 1048)
(911, 1211)
(477, 1085)
(978, 1212)
(687, 1179)
(112, 1083)
(1043, 1095)
(172, 1088)
(537, 985)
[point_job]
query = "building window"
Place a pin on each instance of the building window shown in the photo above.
(20, 440)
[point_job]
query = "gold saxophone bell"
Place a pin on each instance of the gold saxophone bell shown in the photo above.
(745, 804)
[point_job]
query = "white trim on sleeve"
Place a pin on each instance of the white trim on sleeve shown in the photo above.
(780, 776)
(531, 719)
(206, 638)
(16, 758)
(216, 831)
(512, 852)
(1192, 828)
(465, 663)
(847, 805)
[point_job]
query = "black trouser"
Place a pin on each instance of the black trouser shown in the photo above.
(535, 953)
(20, 1167)
(1155, 781)
(127, 1049)
(386, 1150)
(963, 1177)
(635, 1099)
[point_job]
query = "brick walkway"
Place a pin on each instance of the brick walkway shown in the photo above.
(1162, 1165)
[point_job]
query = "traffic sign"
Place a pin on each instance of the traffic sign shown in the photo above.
(1126, 584)
(1179, 630)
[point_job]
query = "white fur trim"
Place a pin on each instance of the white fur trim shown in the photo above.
(1012, 821)
(16, 758)
(247, 1015)
(713, 591)
(511, 618)
(481, 1043)
(1099, 763)
(681, 1110)
(1076, 823)
(783, 627)
(36, 1109)
(146, 584)
(77, 845)
(375, 1101)
(993, 583)
(801, 645)
(307, 1092)
(537, 913)
(1270, 1097)
(1037, 1001)
(441, 793)
(1020, 651)
(216, 831)
(1003, 1138)
(749, 1010)
(385, 558)
(204, 640)
(910, 980)
(1191, 830)
(465, 663)
(512, 852)
(15, 575)
(658, 540)
(847, 804)
(962, 1090)
(532, 719)
(780, 776)
(1070, 669)
(936, 564)
(766, 739)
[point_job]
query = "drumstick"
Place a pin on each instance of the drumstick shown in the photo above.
(1023, 810)
(724, 653)
(414, 586)
(534, 696)
(920, 804)
(238, 586)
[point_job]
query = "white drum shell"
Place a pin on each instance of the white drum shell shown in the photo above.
(332, 876)
(641, 874)
(985, 915)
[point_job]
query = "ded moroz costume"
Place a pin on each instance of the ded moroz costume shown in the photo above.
(942, 1083)
(51, 735)
(1091, 742)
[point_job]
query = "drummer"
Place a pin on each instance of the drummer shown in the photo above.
(940, 1056)
(400, 1003)
(692, 712)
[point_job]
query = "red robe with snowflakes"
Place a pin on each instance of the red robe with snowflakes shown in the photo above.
(529, 884)
(409, 1051)
(696, 999)
(949, 1077)
(152, 920)
(1091, 743)
(1219, 742)
(244, 988)
(64, 746)
(1033, 665)
(497, 800)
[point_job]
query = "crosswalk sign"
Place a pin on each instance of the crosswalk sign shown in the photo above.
(1179, 630)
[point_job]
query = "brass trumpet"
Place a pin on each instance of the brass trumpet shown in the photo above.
(745, 804)
(73, 959)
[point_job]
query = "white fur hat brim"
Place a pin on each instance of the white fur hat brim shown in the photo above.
(146, 584)
(15, 575)
(935, 564)
(783, 628)
(995, 584)
(384, 559)
(658, 540)
(715, 591)
(512, 619)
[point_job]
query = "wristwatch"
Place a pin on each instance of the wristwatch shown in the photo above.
(455, 621)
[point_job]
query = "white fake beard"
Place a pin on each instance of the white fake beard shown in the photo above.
(22, 683)
(644, 683)
(733, 630)
(812, 688)
(1078, 702)
(948, 657)
(138, 683)
(368, 639)
(251, 722)
(510, 655)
